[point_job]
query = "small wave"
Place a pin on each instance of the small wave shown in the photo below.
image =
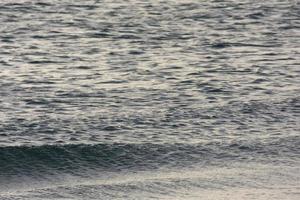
(75, 159)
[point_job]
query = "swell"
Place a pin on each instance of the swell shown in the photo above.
(78, 159)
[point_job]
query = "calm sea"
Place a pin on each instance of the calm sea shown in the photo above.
(149, 99)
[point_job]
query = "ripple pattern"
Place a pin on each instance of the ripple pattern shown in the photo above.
(102, 86)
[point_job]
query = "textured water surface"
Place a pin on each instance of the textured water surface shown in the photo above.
(111, 99)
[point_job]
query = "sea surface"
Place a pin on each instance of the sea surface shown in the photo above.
(149, 99)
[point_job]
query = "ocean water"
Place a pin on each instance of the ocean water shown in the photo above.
(157, 99)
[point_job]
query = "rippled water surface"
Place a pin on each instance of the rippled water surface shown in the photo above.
(179, 99)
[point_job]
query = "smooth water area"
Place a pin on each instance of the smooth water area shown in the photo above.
(178, 99)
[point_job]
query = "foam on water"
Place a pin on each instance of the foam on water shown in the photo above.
(215, 182)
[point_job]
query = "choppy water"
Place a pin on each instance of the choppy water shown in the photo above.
(111, 99)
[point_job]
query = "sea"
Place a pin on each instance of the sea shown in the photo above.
(149, 99)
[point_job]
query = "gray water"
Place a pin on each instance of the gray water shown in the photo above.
(111, 99)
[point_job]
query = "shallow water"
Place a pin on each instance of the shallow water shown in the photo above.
(109, 99)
